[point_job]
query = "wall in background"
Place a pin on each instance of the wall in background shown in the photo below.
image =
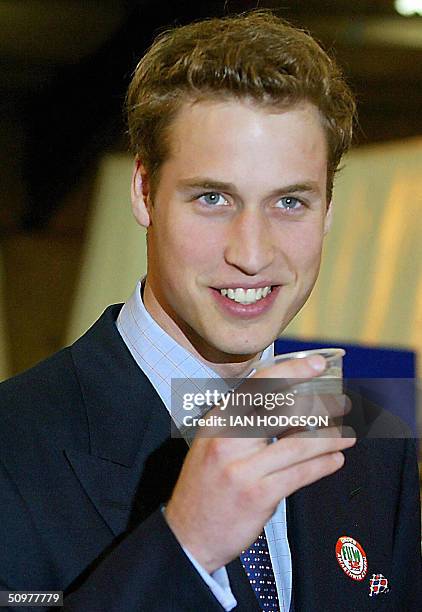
(370, 287)
(114, 255)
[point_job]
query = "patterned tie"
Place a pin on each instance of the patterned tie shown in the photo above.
(257, 563)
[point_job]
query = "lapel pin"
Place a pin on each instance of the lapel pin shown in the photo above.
(351, 558)
(378, 584)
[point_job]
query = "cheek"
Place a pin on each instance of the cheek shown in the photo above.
(197, 242)
(189, 247)
(303, 249)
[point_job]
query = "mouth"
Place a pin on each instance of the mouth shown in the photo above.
(246, 296)
(246, 301)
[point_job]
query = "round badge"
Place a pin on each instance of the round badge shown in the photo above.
(351, 557)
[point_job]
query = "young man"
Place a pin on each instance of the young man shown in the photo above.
(238, 126)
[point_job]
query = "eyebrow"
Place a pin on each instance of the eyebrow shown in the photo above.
(209, 183)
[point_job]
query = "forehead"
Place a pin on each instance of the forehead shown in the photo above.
(239, 139)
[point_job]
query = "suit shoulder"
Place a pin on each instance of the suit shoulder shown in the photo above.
(46, 398)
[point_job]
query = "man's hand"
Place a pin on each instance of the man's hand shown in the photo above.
(229, 487)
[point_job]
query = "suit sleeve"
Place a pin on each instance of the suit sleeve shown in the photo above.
(147, 571)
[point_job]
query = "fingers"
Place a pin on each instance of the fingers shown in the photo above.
(268, 491)
(288, 452)
(300, 475)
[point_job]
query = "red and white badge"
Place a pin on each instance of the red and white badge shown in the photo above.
(351, 558)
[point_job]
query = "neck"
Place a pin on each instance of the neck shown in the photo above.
(225, 369)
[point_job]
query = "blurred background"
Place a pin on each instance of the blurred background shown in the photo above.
(68, 243)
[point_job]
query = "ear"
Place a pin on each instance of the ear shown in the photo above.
(328, 218)
(140, 192)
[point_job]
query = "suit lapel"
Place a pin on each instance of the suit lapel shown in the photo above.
(132, 463)
(241, 587)
(109, 486)
(125, 495)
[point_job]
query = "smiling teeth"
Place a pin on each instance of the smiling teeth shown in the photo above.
(246, 296)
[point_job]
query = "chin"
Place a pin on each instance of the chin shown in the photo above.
(245, 348)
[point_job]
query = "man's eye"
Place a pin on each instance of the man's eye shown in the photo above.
(290, 203)
(212, 199)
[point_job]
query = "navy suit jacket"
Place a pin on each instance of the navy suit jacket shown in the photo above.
(86, 461)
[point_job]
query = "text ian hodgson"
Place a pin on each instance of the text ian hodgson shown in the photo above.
(254, 420)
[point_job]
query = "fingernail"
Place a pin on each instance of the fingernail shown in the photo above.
(317, 362)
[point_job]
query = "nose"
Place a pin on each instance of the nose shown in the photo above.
(249, 244)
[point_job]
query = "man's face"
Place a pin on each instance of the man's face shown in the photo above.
(237, 223)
